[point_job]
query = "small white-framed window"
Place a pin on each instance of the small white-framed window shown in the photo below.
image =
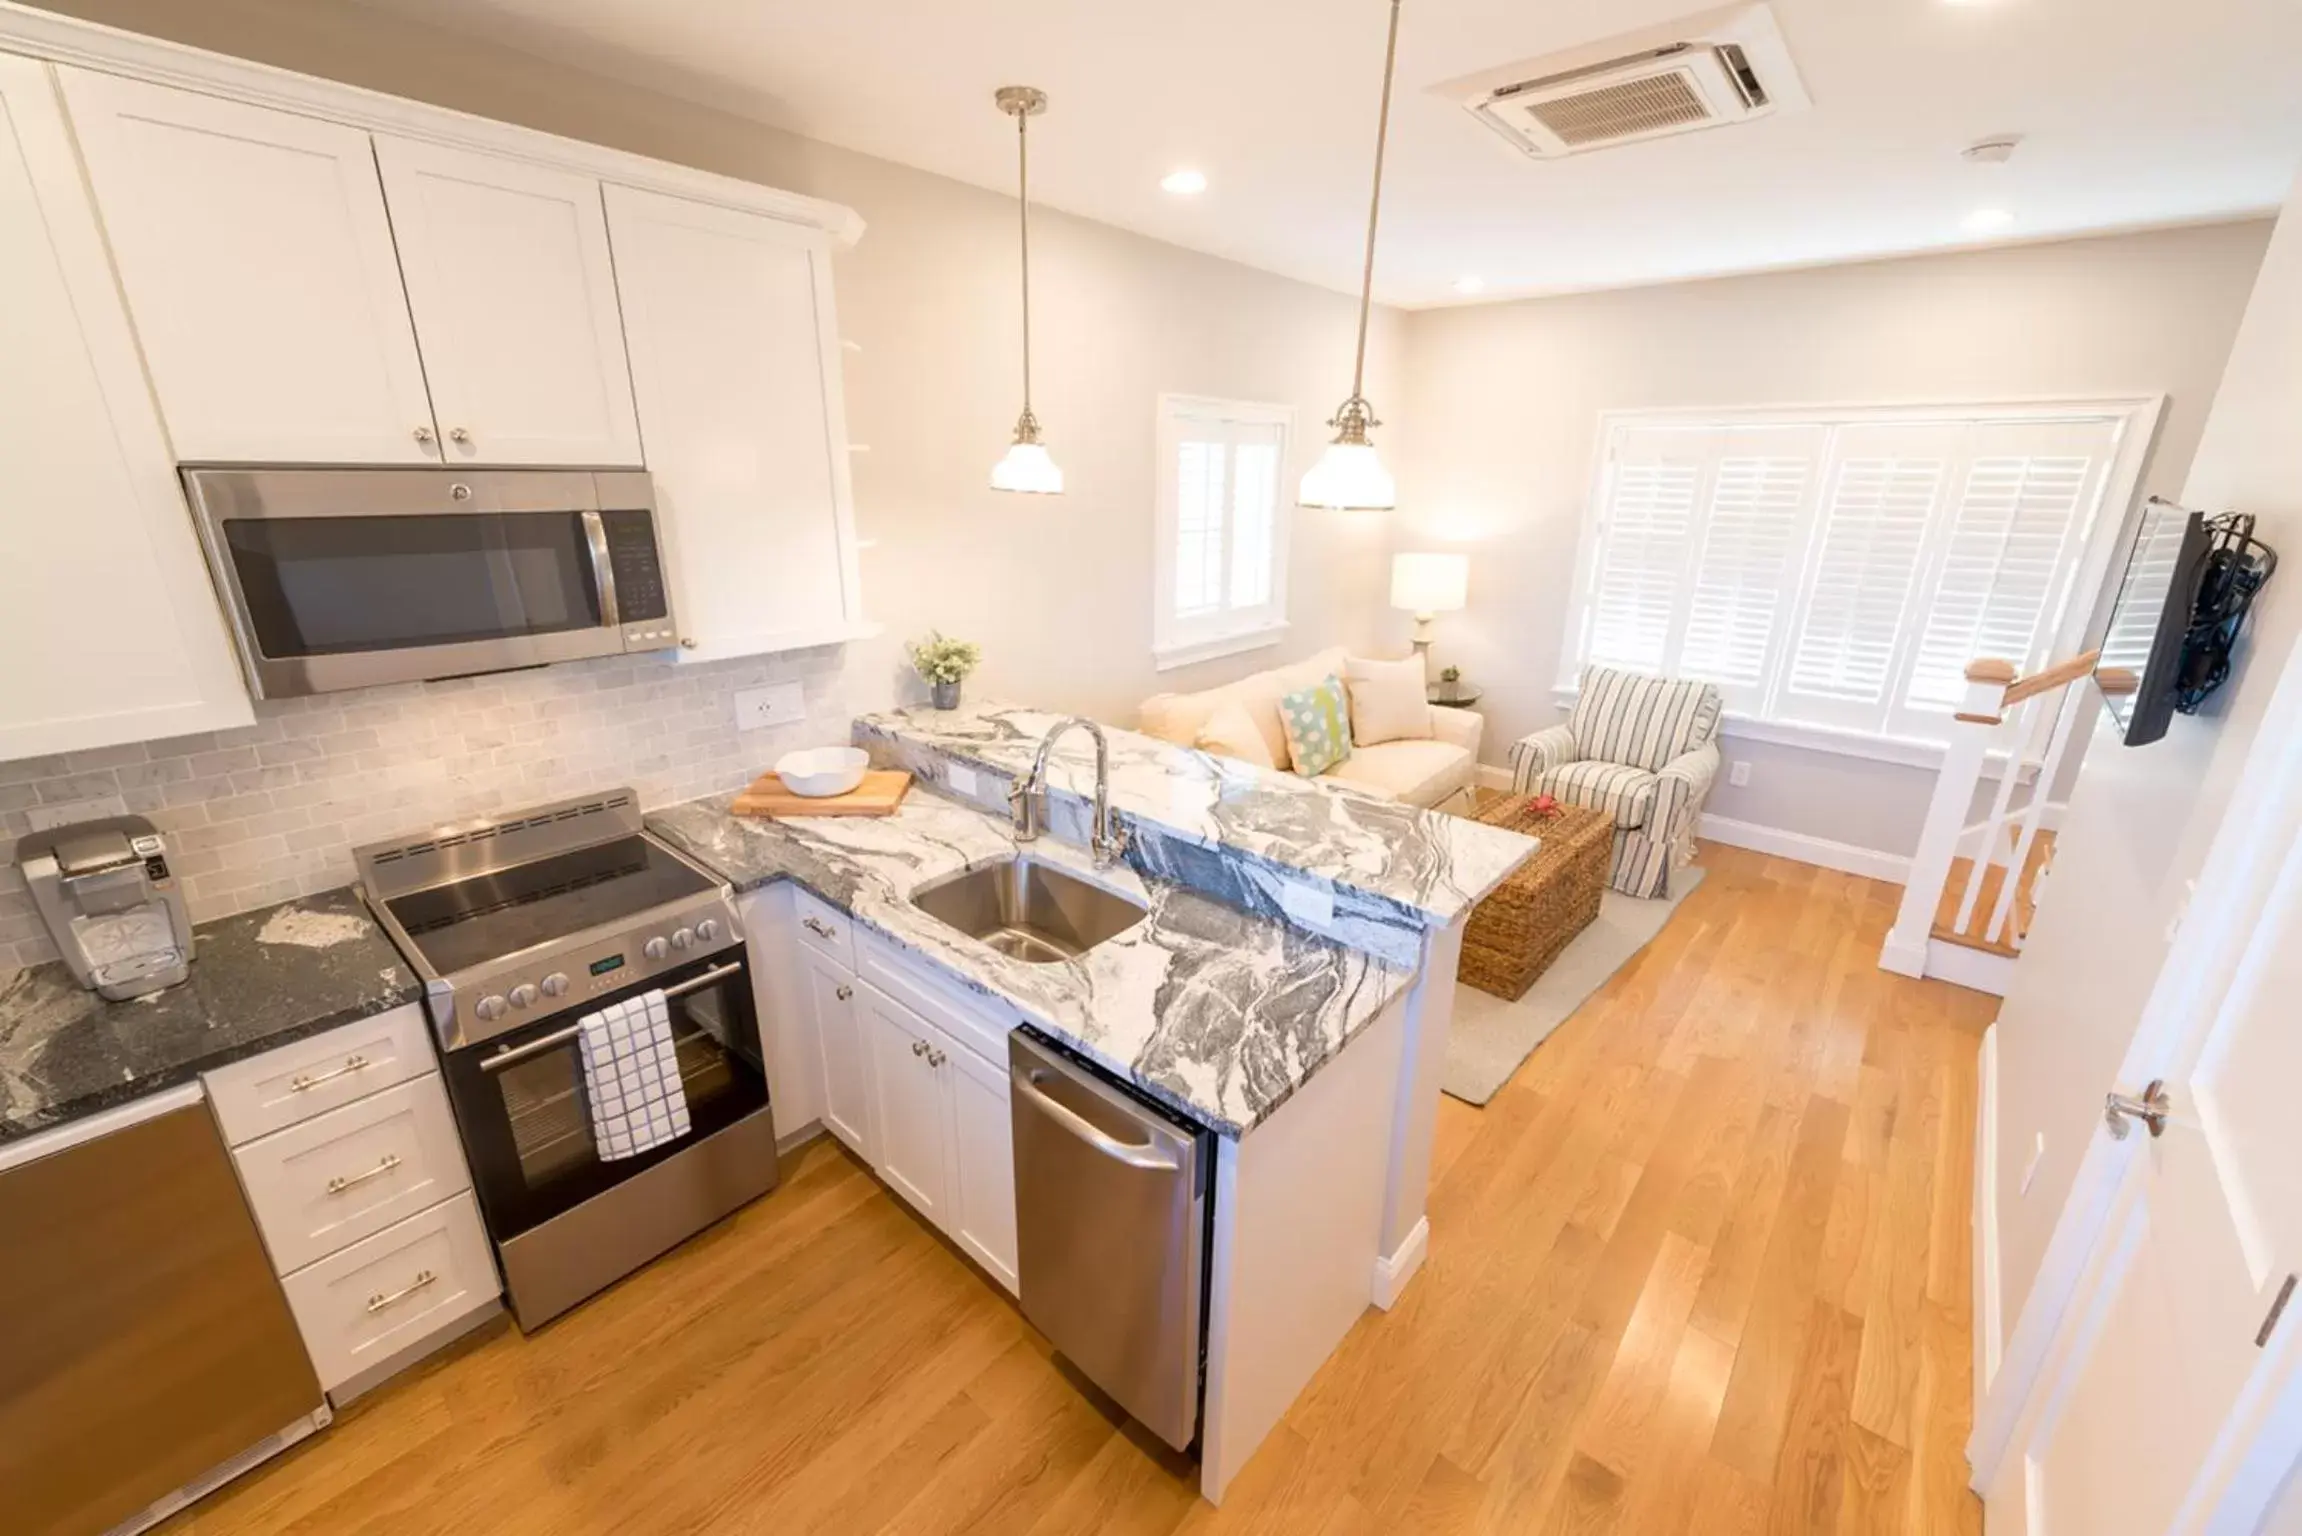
(1833, 570)
(1221, 527)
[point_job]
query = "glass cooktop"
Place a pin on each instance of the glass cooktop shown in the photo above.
(490, 916)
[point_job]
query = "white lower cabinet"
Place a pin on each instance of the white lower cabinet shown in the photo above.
(348, 1153)
(909, 1066)
(831, 999)
(982, 1164)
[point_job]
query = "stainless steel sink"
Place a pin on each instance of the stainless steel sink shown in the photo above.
(1029, 910)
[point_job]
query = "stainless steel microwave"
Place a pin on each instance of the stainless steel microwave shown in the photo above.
(347, 578)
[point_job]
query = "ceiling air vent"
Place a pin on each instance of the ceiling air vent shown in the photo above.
(1724, 66)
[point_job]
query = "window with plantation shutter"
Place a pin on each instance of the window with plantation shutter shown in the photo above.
(1838, 571)
(1221, 559)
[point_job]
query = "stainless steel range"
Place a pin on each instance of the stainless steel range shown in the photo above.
(522, 928)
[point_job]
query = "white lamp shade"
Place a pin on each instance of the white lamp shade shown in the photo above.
(1349, 478)
(1430, 583)
(1027, 467)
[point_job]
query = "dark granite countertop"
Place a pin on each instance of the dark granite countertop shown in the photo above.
(259, 980)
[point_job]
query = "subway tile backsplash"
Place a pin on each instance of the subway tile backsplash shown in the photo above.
(272, 811)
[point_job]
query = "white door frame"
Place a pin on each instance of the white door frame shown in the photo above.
(2262, 1440)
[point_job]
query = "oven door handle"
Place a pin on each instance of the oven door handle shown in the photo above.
(602, 569)
(560, 1037)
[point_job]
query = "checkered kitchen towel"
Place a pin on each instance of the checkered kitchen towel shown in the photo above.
(631, 1077)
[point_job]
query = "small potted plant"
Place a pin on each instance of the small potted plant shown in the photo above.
(944, 664)
(1450, 676)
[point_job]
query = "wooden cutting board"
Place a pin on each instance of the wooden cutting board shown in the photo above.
(881, 791)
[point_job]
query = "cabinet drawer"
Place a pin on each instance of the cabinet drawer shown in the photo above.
(266, 1093)
(824, 928)
(970, 1018)
(336, 1178)
(379, 1296)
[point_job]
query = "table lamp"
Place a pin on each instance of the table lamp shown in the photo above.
(1427, 585)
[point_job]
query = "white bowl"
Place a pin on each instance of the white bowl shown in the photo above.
(820, 771)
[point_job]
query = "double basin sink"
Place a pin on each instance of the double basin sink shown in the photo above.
(1029, 910)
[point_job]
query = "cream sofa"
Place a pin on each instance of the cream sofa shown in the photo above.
(1430, 771)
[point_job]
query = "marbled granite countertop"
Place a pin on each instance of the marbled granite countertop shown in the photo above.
(258, 980)
(1421, 867)
(1215, 1012)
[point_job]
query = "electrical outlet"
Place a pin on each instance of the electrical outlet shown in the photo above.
(1738, 773)
(776, 704)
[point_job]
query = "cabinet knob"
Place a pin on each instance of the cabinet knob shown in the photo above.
(918, 1047)
(934, 1057)
(424, 436)
(844, 993)
(459, 435)
(687, 642)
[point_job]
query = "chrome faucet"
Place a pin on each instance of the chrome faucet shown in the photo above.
(1027, 801)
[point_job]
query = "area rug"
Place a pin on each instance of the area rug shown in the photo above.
(1490, 1037)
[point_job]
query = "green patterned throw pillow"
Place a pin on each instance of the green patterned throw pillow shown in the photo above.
(1318, 721)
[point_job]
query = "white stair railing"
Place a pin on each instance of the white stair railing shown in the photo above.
(2002, 717)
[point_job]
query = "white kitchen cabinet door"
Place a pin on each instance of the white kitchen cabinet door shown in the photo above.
(105, 608)
(259, 267)
(508, 276)
(912, 1105)
(840, 1037)
(982, 1162)
(735, 367)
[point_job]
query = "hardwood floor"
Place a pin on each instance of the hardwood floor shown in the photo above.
(1701, 1266)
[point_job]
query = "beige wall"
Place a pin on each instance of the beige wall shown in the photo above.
(2141, 819)
(1503, 403)
(1057, 591)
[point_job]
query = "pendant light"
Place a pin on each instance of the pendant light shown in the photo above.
(1349, 477)
(1027, 466)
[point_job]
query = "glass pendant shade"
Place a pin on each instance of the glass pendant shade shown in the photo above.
(1349, 477)
(1027, 467)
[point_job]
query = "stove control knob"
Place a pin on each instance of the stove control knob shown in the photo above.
(683, 939)
(708, 930)
(556, 984)
(490, 1009)
(655, 949)
(523, 996)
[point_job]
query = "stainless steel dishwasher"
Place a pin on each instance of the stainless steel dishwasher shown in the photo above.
(1111, 1208)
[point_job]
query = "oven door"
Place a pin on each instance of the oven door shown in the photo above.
(526, 1124)
(350, 578)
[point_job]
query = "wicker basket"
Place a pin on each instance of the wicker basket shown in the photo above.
(1516, 933)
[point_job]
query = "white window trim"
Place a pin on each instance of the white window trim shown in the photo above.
(1170, 650)
(2138, 417)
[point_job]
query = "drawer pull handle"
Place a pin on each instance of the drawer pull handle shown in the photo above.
(821, 930)
(378, 1302)
(843, 992)
(344, 1181)
(305, 1082)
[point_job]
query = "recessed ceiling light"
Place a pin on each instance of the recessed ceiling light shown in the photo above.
(1470, 284)
(1184, 183)
(1985, 221)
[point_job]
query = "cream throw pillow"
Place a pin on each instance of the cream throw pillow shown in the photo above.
(1230, 732)
(1388, 700)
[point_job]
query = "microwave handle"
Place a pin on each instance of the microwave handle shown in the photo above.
(602, 569)
(559, 1037)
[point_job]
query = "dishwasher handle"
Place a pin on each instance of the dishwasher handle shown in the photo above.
(1026, 1081)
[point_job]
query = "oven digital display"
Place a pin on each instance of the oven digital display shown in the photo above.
(611, 963)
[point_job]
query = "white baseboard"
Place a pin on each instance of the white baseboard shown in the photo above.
(1394, 1270)
(1987, 1336)
(1494, 776)
(1873, 863)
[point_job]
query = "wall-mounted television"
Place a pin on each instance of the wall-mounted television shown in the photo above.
(2141, 651)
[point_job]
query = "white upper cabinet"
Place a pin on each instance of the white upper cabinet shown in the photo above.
(514, 297)
(258, 263)
(735, 366)
(106, 615)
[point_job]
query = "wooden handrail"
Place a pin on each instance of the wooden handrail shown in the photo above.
(2052, 678)
(2117, 682)
(1989, 669)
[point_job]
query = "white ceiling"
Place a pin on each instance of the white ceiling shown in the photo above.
(2135, 112)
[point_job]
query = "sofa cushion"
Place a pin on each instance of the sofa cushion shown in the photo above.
(1179, 717)
(1230, 732)
(1318, 720)
(1417, 772)
(1624, 792)
(1626, 717)
(1390, 701)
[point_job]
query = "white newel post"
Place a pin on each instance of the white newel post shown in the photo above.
(1978, 718)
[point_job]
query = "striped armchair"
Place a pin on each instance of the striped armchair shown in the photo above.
(1642, 748)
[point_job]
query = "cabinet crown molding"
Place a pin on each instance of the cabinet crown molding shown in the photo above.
(68, 40)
